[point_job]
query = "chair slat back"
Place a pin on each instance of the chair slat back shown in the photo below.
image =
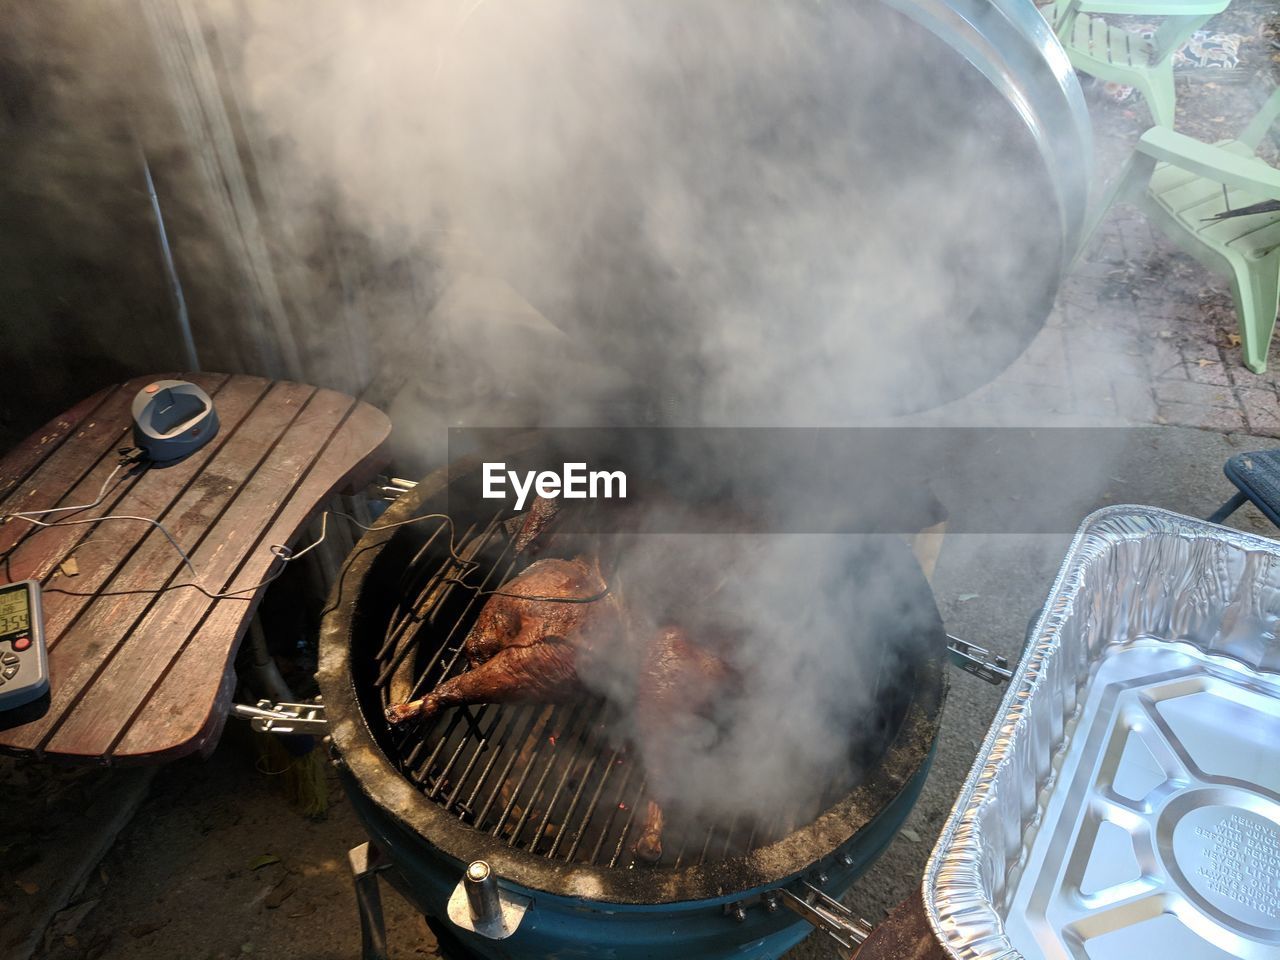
(1064, 17)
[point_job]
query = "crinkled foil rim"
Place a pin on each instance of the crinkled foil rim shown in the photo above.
(962, 916)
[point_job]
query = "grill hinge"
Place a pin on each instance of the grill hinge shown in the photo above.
(391, 488)
(300, 719)
(973, 659)
(827, 914)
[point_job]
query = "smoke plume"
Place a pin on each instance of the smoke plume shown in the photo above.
(616, 212)
(710, 213)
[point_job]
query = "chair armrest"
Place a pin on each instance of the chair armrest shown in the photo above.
(1211, 162)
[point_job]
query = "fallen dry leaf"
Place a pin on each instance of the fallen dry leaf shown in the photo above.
(280, 893)
(1233, 339)
(27, 887)
(1205, 362)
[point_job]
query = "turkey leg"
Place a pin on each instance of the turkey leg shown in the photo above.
(543, 673)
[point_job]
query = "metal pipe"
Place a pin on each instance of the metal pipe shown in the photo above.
(175, 282)
(482, 892)
(259, 670)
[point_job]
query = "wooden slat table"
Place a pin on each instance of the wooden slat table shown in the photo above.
(140, 662)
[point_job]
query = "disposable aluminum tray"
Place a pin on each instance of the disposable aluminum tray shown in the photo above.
(1126, 801)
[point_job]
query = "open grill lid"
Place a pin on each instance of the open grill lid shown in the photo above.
(728, 198)
(488, 783)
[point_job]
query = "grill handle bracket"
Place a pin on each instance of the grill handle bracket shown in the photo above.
(977, 660)
(480, 905)
(828, 915)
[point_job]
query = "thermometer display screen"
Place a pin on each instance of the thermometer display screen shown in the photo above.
(15, 612)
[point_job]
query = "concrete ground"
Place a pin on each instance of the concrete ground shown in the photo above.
(216, 865)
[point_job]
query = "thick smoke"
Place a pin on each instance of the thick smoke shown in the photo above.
(817, 634)
(712, 213)
(747, 213)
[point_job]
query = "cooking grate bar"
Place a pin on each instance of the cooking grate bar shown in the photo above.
(636, 800)
(592, 805)
(406, 611)
(556, 740)
(405, 643)
(478, 744)
(427, 601)
(582, 748)
(419, 688)
(420, 772)
(516, 749)
(618, 804)
(702, 856)
(490, 745)
(513, 719)
(751, 837)
(728, 837)
(538, 742)
(684, 848)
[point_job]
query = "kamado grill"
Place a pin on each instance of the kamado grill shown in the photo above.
(511, 827)
(551, 805)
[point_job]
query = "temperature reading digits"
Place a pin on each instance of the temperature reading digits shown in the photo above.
(15, 612)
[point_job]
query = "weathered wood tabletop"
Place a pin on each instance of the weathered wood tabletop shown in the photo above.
(140, 661)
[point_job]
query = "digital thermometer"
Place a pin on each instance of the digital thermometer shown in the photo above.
(24, 665)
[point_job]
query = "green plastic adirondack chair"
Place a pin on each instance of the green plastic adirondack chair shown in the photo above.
(1116, 55)
(1201, 196)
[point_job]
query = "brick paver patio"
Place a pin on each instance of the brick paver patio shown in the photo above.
(1141, 333)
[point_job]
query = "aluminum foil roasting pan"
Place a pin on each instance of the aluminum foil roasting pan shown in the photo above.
(1126, 800)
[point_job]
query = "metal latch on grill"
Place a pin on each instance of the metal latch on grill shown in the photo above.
(301, 719)
(392, 488)
(478, 904)
(974, 659)
(827, 914)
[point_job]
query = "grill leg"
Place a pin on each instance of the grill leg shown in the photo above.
(366, 862)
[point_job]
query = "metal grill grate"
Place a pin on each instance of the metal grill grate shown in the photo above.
(545, 779)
